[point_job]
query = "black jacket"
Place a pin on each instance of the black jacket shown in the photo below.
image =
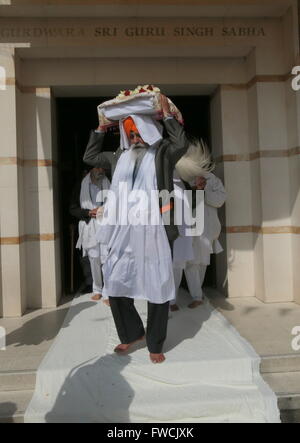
(74, 208)
(168, 152)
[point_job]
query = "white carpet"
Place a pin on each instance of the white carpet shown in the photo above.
(211, 374)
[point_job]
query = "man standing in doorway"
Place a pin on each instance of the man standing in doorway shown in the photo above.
(205, 244)
(85, 207)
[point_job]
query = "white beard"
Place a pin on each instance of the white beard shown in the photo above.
(137, 149)
(138, 145)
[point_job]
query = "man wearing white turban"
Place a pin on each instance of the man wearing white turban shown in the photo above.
(139, 261)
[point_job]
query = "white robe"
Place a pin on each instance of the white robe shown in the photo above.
(208, 243)
(87, 231)
(183, 245)
(139, 262)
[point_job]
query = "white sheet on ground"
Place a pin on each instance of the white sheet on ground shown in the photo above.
(211, 374)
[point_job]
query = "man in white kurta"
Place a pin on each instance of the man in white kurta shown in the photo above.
(139, 250)
(92, 196)
(204, 245)
(183, 245)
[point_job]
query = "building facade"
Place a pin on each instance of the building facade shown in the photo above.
(242, 54)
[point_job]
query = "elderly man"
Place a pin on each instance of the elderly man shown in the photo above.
(84, 206)
(139, 262)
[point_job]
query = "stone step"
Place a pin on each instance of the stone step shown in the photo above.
(290, 416)
(289, 402)
(25, 379)
(286, 385)
(17, 380)
(280, 363)
(13, 405)
(16, 389)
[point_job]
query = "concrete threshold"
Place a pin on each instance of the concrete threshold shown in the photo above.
(266, 327)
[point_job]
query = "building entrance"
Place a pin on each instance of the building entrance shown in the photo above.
(76, 116)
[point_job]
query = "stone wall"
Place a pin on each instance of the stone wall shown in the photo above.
(255, 129)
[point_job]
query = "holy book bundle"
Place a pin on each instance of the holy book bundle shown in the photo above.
(144, 100)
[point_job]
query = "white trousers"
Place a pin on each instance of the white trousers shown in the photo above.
(96, 274)
(194, 276)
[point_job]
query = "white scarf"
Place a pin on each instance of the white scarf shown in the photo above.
(139, 263)
(116, 210)
(149, 129)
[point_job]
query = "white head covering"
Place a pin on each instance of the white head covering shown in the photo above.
(149, 129)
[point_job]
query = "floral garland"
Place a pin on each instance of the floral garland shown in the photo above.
(137, 90)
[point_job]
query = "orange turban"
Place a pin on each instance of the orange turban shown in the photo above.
(129, 125)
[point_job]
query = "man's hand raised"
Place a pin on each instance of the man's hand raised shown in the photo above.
(165, 106)
(100, 129)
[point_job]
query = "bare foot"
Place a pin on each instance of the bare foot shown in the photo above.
(120, 349)
(157, 358)
(96, 297)
(174, 308)
(106, 302)
(195, 304)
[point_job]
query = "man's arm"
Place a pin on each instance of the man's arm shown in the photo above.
(178, 141)
(93, 155)
(75, 208)
(215, 194)
(177, 138)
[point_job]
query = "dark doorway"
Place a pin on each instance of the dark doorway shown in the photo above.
(76, 117)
